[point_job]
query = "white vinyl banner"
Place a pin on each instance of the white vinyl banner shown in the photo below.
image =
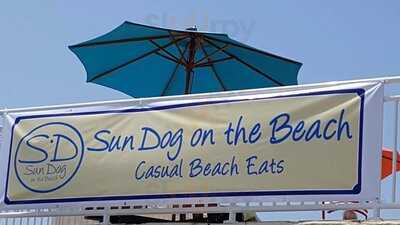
(314, 142)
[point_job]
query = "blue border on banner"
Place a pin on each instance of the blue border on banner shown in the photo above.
(355, 190)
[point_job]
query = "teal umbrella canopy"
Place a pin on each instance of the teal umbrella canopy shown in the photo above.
(146, 61)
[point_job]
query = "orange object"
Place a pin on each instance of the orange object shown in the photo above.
(387, 160)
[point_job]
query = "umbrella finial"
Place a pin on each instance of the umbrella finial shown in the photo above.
(193, 28)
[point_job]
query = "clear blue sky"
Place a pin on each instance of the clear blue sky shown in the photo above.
(335, 40)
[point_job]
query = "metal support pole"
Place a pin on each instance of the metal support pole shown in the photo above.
(106, 219)
(232, 217)
(376, 214)
(394, 158)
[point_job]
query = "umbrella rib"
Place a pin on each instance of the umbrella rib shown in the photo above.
(133, 60)
(213, 53)
(214, 61)
(213, 68)
(174, 72)
(177, 46)
(164, 50)
(120, 41)
(170, 79)
(246, 64)
(255, 50)
(167, 57)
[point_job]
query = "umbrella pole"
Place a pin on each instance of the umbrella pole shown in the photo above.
(188, 81)
(190, 65)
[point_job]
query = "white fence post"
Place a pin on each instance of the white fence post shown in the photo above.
(394, 160)
(232, 216)
(106, 219)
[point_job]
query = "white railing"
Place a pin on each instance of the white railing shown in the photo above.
(74, 215)
(395, 99)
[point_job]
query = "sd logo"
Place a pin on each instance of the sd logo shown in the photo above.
(48, 157)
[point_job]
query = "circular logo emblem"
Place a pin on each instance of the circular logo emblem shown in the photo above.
(48, 157)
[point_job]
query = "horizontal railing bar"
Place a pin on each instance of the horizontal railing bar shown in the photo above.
(389, 205)
(386, 80)
(234, 209)
(392, 98)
